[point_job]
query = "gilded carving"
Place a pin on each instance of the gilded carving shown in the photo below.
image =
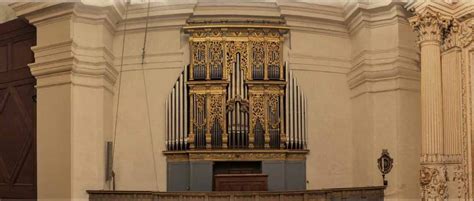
(274, 53)
(237, 156)
(215, 51)
(257, 108)
(234, 47)
(274, 116)
(216, 110)
(216, 56)
(258, 57)
(198, 58)
(200, 100)
(230, 105)
(247, 155)
(433, 181)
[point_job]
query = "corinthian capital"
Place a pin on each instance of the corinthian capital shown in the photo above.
(430, 25)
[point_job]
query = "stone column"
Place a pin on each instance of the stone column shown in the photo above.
(430, 27)
(75, 87)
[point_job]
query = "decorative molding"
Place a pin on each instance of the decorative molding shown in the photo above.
(466, 119)
(460, 176)
(433, 180)
(430, 25)
(389, 14)
(153, 61)
(237, 155)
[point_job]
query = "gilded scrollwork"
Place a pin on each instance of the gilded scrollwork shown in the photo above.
(234, 48)
(198, 59)
(216, 51)
(257, 108)
(258, 49)
(273, 105)
(216, 56)
(274, 53)
(258, 58)
(200, 100)
(230, 105)
(216, 110)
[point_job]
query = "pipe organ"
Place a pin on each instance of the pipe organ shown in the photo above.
(236, 93)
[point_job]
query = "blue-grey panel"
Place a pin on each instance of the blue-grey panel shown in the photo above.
(276, 174)
(177, 177)
(295, 175)
(201, 176)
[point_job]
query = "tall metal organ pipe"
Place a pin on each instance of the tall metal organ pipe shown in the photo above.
(295, 113)
(178, 122)
(177, 113)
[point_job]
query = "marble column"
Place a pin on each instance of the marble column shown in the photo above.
(430, 27)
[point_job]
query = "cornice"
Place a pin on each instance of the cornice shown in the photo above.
(382, 65)
(389, 14)
(351, 8)
(311, 11)
(25, 8)
(237, 8)
(77, 63)
(39, 13)
(314, 18)
(306, 62)
(460, 10)
(108, 16)
(160, 16)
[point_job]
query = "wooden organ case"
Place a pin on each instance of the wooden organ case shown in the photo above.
(236, 101)
(236, 88)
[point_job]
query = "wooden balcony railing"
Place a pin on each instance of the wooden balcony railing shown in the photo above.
(338, 194)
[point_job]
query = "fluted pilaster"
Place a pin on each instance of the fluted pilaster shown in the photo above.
(431, 27)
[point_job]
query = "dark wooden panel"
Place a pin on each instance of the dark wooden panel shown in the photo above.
(17, 112)
(21, 53)
(3, 62)
(240, 182)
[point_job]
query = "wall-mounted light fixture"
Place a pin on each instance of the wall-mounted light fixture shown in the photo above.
(385, 164)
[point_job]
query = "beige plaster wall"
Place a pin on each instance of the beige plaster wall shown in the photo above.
(138, 155)
(320, 63)
(360, 78)
(385, 99)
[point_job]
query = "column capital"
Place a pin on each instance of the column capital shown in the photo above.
(430, 25)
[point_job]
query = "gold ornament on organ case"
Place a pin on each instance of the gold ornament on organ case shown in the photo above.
(237, 67)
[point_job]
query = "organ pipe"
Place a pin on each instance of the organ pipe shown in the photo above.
(295, 114)
(239, 94)
(292, 108)
(176, 115)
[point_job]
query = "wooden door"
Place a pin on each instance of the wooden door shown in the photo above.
(17, 111)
